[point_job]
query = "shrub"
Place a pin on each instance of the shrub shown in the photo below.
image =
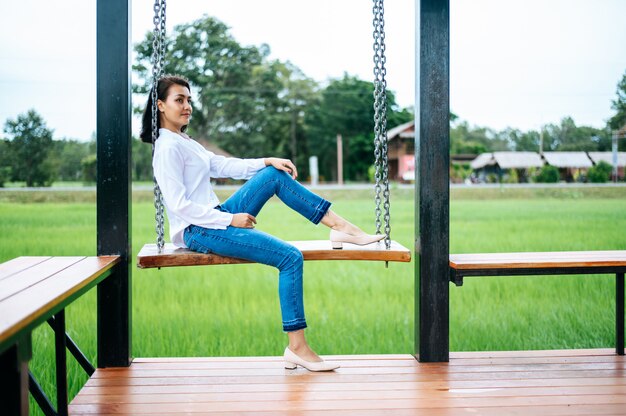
(371, 173)
(548, 174)
(5, 175)
(459, 172)
(600, 173)
(512, 176)
(89, 169)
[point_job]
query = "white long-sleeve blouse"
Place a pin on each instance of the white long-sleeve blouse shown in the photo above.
(183, 169)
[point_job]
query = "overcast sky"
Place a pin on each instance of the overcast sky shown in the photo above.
(517, 63)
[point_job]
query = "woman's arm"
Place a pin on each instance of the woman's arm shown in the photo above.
(282, 164)
(232, 167)
(168, 166)
(243, 220)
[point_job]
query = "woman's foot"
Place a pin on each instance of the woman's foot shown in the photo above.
(299, 353)
(292, 360)
(337, 223)
(342, 231)
(337, 238)
(305, 352)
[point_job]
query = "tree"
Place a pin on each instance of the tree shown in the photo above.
(299, 93)
(30, 144)
(141, 161)
(346, 108)
(89, 168)
(66, 157)
(467, 139)
(5, 162)
(567, 136)
(234, 87)
(522, 141)
(250, 106)
(619, 105)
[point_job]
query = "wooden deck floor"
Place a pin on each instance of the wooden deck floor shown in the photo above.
(568, 382)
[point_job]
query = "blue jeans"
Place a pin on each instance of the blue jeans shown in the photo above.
(260, 247)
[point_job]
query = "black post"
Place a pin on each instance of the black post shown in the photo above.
(14, 377)
(619, 313)
(114, 180)
(61, 362)
(432, 190)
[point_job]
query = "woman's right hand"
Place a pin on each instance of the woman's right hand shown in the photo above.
(243, 220)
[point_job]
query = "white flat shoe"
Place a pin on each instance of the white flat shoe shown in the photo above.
(292, 361)
(337, 238)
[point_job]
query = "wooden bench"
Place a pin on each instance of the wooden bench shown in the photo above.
(548, 263)
(34, 290)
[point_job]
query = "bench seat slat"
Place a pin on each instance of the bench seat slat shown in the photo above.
(172, 256)
(18, 264)
(538, 260)
(32, 275)
(32, 306)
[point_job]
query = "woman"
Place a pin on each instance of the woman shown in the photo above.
(183, 169)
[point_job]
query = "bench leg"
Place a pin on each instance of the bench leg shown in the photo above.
(619, 313)
(14, 378)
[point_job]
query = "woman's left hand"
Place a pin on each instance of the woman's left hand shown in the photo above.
(282, 164)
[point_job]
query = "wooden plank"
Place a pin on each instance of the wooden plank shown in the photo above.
(51, 287)
(172, 256)
(28, 277)
(304, 376)
(538, 260)
(353, 394)
(278, 370)
(299, 403)
(380, 362)
(593, 352)
(535, 353)
(608, 409)
(386, 357)
(10, 267)
(295, 386)
(526, 382)
(197, 365)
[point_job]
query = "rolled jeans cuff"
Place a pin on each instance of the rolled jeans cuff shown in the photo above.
(320, 211)
(295, 325)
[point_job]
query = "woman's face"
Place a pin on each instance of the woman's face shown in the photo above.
(175, 111)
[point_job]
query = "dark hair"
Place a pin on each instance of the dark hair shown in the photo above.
(163, 87)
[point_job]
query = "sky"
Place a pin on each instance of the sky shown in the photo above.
(513, 63)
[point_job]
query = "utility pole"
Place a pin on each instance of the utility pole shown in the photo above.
(614, 148)
(339, 160)
(294, 120)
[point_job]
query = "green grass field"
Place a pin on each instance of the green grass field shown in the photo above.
(352, 307)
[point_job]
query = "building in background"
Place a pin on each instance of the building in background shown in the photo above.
(401, 152)
(505, 166)
(572, 166)
(496, 166)
(607, 157)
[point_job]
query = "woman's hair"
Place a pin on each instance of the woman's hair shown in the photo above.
(163, 87)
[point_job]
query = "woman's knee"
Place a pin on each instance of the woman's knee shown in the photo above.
(273, 173)
(293, 259)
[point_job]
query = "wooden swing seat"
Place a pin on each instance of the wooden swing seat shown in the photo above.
(172, 256)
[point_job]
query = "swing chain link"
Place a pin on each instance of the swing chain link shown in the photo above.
(158, 62)
(381, 164)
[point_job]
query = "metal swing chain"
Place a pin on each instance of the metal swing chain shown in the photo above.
(158, 62)
(380, 122)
